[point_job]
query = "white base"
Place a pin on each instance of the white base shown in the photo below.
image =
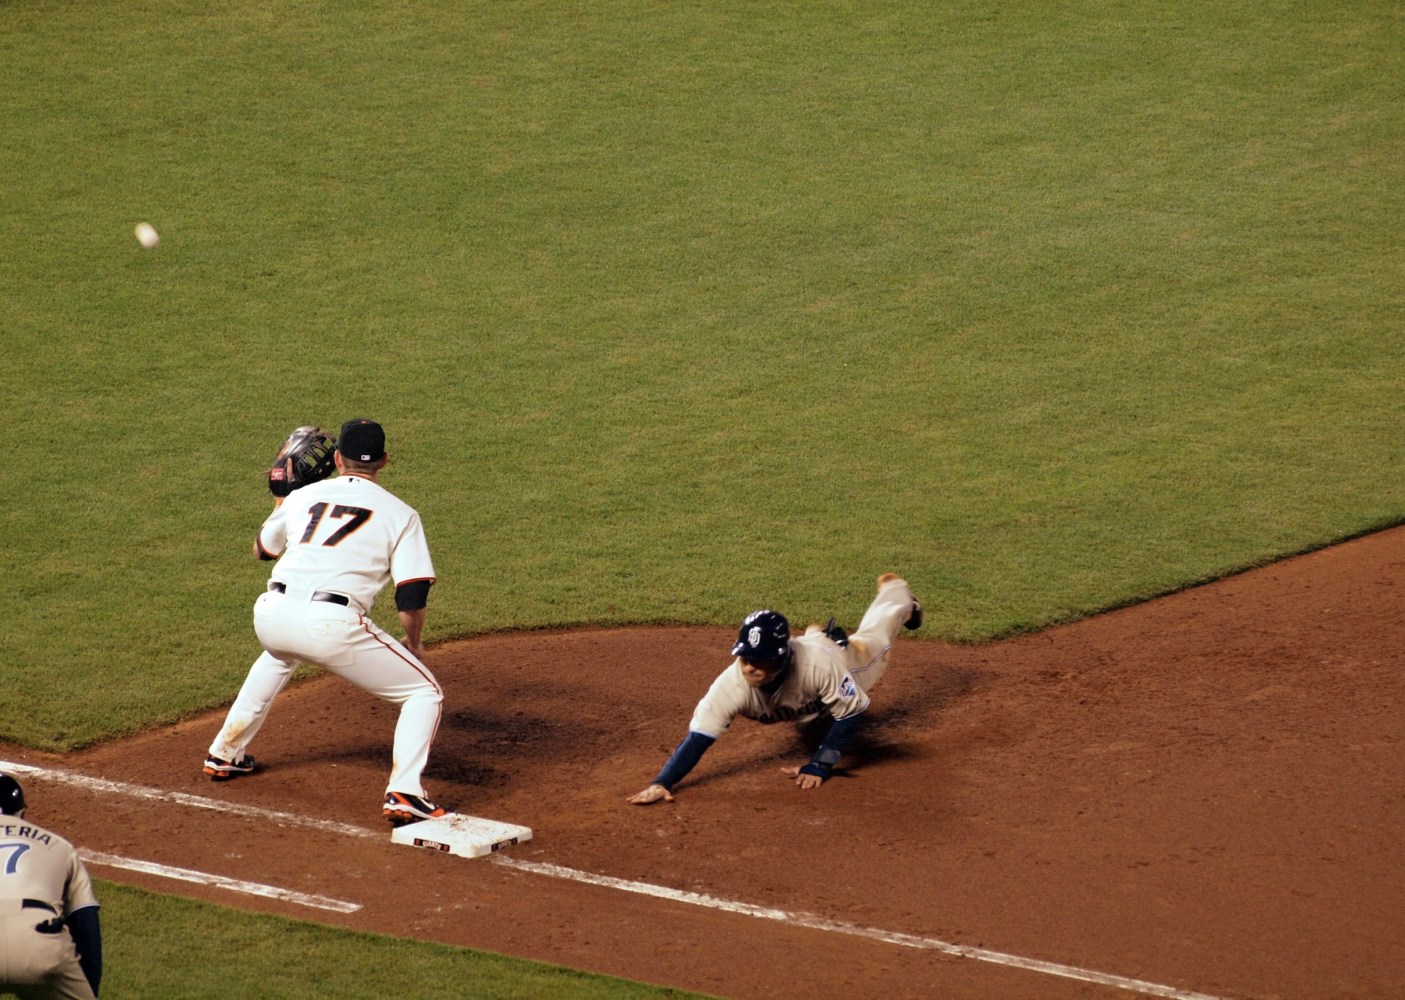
(466, 836)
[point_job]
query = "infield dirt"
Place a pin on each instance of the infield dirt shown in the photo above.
(1205, 791)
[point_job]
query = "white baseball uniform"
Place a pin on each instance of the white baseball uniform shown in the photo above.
(341, 540)
(42, 881)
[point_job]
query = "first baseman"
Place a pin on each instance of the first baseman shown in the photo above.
(50, 935)
(777, 677)
(337, 542)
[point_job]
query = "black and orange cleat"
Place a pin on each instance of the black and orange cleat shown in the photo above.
(222, 770)
(402, 807)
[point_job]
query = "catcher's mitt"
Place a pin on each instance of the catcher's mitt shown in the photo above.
(306, 457)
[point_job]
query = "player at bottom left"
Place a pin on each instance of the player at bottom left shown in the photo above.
(50, 934)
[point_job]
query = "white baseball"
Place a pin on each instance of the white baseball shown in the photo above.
(147, 235)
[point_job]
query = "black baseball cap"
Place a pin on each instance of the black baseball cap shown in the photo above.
(361, 440)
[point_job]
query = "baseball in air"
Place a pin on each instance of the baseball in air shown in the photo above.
(147, 235)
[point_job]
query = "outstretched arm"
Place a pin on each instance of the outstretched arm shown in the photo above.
(683, 759)
(836, 741)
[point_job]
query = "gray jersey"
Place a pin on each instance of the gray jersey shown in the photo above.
(823, 676)
(818, 680)
(37, 864)
(41, 881)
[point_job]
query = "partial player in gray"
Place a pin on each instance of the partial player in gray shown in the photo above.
(50, 935)
(337, 543)
(777, 677)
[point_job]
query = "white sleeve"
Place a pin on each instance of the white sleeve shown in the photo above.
(410, 560)
(273, 535)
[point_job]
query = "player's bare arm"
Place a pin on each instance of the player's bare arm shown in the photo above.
(411, 599)
(413, 624)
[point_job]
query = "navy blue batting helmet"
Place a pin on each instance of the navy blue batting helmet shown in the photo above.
(11, 796)
(764, 635)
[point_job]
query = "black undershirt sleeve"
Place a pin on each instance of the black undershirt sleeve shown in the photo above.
(684, 758)
(86, 930)
(412, 595)
(836, 741)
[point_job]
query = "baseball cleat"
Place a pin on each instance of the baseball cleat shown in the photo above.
(223, 770)
(914, 620)
(402, 808)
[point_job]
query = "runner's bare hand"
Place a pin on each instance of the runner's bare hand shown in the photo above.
(654, 793)
(805, 781)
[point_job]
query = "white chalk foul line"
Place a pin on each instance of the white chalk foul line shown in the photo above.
(198, 802)
(838, 927)
(194, 801)
(644, 888)
(219, 881)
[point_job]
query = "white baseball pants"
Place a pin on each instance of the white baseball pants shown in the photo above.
(293, 628)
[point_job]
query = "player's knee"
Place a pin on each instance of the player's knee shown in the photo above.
(430, 695)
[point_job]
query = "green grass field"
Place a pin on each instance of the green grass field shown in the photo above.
(269, 958)
(674, 310)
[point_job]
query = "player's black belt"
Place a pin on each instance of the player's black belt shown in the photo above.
(319, 595)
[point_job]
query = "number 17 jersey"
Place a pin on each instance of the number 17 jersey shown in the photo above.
(347, 535)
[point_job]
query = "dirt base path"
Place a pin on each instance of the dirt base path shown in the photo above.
(1204, 792)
